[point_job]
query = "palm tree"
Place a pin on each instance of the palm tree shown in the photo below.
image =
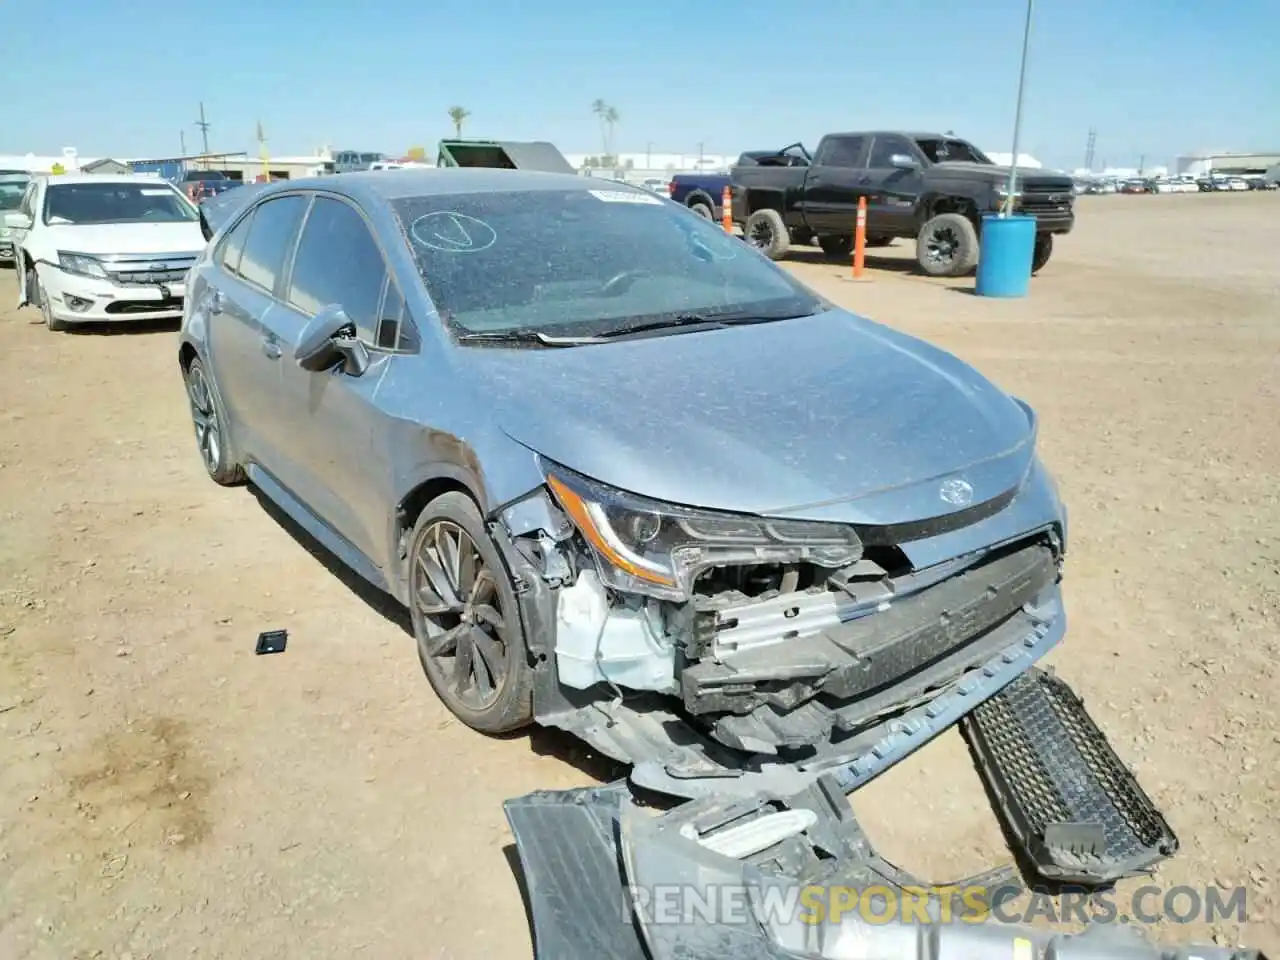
(601, 110)
(611, 118)
(459, 116)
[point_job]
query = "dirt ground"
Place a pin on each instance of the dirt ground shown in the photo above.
(166, 793)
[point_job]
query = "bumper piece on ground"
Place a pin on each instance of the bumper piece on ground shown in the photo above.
(1059, 787)
(605, 879)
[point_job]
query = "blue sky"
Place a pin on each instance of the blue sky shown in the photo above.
(1154, 77)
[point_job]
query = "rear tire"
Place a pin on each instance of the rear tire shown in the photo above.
(947, 246)
(702, 210)
(767, 232)
(210, 427)
(836, 248)
(1043, 251)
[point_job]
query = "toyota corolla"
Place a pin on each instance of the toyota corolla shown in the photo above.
(630, 478)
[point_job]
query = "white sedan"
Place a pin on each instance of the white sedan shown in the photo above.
(103, 248)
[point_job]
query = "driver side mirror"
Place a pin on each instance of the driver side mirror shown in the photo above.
(17, 220)
(330, 338)
(903, 161)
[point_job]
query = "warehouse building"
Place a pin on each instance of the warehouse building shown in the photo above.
(1227, 164)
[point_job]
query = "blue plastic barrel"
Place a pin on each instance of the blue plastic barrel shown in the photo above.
(1004, 257)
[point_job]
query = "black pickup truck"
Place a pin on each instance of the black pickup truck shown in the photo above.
(929, 187)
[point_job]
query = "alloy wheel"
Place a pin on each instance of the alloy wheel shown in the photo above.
(204, 417)
(761, 235)
(942, 244)
(459, 607)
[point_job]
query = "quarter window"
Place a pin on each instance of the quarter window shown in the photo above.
(275, 223)
(339, 263)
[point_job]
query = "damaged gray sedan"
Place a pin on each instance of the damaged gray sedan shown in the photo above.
(632, 479)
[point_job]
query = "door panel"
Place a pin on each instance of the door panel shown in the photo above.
(891, 190)
(331, 418)
(834, 184)
(252, 259)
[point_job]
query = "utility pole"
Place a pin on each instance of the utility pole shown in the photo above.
(1142, 164)
(700, 146)
(1088, 149)
(203, 124)
(648, 155)
(182, 139)
(1011, 190)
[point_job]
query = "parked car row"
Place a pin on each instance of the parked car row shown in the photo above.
(1180, 184)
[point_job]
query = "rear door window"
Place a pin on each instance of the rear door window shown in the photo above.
(270, 240)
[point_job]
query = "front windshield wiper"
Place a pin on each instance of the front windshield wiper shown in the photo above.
(704, 321)
(525, 336)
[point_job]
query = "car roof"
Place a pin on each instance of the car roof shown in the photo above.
(104, 178)
(428, 181)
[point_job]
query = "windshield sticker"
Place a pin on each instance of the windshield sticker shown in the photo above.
(450, 232)
(624, 196)
(155, 192)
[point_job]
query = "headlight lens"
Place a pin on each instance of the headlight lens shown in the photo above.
(81, 263)
(658, 549)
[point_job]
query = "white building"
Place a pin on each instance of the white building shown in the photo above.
(1208, 162)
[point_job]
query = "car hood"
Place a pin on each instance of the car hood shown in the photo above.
(128, 237)
(829, 417)
(1030, 177)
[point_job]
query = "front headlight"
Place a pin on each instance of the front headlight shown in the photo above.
(82, 264)
(659, 549)
(4, 233)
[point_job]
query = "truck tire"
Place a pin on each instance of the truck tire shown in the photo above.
(1043, 251)
(836, 248)
(947, 246)
(767, 232)
(702, 210)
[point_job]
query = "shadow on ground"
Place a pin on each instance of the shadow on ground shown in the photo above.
(543, 741)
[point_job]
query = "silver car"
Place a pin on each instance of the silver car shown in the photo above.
(632, 479)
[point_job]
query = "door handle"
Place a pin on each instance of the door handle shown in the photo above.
(271, 347)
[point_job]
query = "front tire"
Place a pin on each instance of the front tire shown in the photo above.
(1043, 251)
(767, 232)
(46, 307)
(702, 210)
(210, 428)
(466, 620)
(947, 246)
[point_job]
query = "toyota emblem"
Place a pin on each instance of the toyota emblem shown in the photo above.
(956, 492)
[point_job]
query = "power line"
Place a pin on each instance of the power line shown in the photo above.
(204, 125)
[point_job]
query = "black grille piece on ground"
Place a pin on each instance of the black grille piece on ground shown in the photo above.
(1063, 794)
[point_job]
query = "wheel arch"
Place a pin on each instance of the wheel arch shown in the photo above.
(949, 203)
(701, 196)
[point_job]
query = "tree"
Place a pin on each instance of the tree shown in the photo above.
(459, 116)
(610, 119)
